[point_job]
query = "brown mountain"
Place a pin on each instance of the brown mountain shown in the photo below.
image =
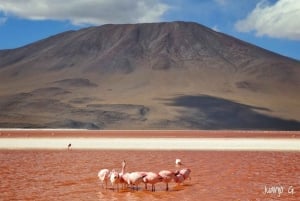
(176, 75)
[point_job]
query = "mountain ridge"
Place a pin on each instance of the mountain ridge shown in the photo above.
(134, 66)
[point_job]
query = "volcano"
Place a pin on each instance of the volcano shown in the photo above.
(173, 75)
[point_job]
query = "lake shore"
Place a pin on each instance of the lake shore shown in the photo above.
(192, 144)
(62, 133)
(150, 140)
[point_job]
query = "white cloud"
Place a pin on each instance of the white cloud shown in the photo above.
(94, 12)
(280, 20)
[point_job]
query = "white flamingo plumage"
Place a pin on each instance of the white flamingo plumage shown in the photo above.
(103, 176)
(178, 162)
(114, 179)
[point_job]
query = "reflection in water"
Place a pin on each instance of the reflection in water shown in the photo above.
(72, 175)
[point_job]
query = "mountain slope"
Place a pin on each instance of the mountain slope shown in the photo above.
(135, 76)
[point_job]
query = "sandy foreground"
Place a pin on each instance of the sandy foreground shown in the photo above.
(151, 140)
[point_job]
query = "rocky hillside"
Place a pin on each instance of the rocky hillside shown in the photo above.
(176, 75)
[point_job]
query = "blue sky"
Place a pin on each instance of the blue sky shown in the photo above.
(270, 24)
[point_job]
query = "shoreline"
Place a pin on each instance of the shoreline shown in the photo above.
(159, 144)
(61, 133)
(194, 140)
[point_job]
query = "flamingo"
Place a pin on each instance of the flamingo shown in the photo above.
(114, 179)
(135, 178)
(103, 175)
(185, 172)
(152, 178)
(178, 178)
(123, 178)
(167, 177)
(178, 162)
(131, 178)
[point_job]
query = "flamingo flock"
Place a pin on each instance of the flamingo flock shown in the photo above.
(132, 180)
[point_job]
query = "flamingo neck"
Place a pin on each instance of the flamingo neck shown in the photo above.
(123, 169)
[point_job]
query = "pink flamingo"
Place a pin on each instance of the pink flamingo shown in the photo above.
(167, 177)
(125, 180)
(185, 172)
(152, 178)
(123, 175)
(116, 178)
(103, 175)
(135, 178)
(178, 178)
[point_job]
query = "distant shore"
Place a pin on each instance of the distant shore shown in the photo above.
(62, 133)
(159, 144)
(150, 139)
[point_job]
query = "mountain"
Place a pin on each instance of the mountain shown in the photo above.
(175, 75)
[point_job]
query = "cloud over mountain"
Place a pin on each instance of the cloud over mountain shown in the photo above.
(279, 20)
(86, 12)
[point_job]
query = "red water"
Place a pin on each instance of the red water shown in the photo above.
(72, 175)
